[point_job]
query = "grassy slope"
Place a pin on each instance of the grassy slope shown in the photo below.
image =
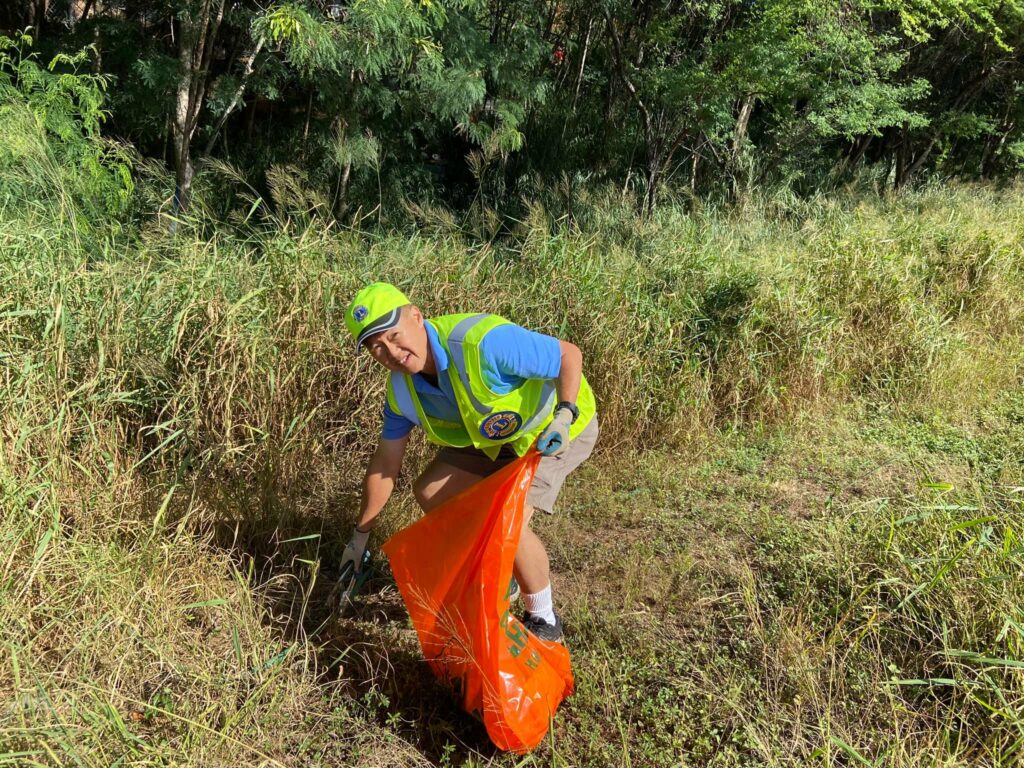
(178, 420)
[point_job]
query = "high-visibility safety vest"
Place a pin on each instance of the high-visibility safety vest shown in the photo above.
(489, 420)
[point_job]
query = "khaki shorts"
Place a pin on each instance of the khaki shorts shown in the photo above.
(551, 472)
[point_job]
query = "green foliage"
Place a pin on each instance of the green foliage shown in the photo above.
(359, 151)
(670, 100)
(994, 19)
(867, 97)
(51, 150)
(312, 46)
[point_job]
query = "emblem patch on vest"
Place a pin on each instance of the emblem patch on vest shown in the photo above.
(500, 425)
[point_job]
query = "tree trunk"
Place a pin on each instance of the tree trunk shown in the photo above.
(583, 62)
(196, 35)
(1005, 130)
(184, 173)
(342, 205)
(739, 136)
(966, 96)
(305, 128)
(183, 169)
(579, 77)
(922, 157)
(653, 169)
(39, 15)
(902, 151)
(651, 198)
(857, 152)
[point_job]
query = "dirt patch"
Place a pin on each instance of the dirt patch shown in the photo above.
(798, 498)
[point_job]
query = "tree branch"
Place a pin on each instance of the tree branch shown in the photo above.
(620, 66)
(237, 97)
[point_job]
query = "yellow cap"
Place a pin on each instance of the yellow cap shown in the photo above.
(374, 309)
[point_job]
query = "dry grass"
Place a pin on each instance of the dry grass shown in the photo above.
(183, 425)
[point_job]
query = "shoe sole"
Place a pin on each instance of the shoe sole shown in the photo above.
(543, 639)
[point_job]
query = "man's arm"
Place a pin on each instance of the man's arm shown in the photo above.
(571, 371)
(381, 474)
(555, 438)
(378, 484)
(512, 351)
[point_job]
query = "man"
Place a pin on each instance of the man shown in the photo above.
(485, 390)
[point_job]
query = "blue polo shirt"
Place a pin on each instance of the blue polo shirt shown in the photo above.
(509, 355)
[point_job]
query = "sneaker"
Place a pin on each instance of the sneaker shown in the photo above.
(542, 629)
(513, 590)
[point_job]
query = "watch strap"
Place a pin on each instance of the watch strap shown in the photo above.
(572, 409)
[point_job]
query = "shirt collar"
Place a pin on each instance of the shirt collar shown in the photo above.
(436, 348)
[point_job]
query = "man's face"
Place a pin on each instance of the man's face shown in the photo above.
(404, 348)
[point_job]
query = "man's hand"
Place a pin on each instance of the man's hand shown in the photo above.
(354, 549)
(555, 438)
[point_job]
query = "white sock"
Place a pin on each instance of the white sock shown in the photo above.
(540, 605)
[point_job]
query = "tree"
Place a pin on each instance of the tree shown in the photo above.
(362, 101)
(197, 25)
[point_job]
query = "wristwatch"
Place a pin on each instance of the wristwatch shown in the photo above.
(572, 409)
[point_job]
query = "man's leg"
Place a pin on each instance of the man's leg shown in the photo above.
(532, 568)
(533, 572)
(441, 481)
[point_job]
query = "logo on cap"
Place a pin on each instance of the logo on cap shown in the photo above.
(360, 313)
(500, 425)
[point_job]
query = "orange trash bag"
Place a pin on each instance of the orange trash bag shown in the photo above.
(453, 568)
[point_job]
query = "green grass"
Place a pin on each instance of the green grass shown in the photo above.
(800, 543)
(800, 597)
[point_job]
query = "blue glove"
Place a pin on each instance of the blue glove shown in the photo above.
(555, 438)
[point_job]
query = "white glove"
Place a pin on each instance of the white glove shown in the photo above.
(354, 549)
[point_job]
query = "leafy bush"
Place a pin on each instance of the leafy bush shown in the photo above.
(53, 162)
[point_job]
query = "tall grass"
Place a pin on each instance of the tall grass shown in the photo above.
(801, 597)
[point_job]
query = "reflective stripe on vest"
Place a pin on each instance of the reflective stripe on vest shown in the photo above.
(455, 341)
(406, 406)
(547, 405)
(530, 405)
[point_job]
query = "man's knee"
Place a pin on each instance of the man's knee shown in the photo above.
(423, 491)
